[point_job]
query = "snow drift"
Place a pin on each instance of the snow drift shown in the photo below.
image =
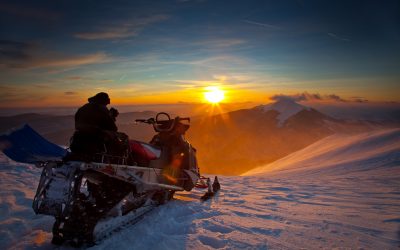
(341, 152)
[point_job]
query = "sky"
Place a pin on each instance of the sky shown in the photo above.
(59, 53)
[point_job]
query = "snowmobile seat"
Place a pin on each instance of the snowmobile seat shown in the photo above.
(143, 153)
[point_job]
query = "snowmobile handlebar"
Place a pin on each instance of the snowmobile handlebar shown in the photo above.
(163, 125)
(184, 119)
(148, 121)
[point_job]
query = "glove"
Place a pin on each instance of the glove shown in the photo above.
(114, 112)
(110, 135)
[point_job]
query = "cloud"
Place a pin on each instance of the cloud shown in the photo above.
(108, 33)
(7, 88)
(10, 94)
(41, 85)
(70, 93)
(280, 97)
(120, 30)
(359, 99)
(74, 78)
(219, 62)
(22, 55)
(220, 43)
(334, 36)
(335, 98)
(264, 25)
(13, 50)
(69, 61)
(307, 97)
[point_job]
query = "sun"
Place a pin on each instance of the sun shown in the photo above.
(214, 94)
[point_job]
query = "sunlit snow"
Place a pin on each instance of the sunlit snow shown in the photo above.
(341, 192)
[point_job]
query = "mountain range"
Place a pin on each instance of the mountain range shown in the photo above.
(237, 141)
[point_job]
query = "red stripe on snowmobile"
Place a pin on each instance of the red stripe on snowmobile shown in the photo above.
(139, 149)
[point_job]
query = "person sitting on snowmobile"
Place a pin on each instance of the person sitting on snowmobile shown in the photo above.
(94, 127)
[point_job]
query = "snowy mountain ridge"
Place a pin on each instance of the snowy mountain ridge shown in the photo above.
(285, 107)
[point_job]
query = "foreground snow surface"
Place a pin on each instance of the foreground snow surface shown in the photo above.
(347, 204)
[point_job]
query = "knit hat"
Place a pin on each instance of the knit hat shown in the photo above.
(100, 98)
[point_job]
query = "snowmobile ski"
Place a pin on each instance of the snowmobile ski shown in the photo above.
(212, 189)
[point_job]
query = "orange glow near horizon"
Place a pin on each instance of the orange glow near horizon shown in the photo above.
(192, 94)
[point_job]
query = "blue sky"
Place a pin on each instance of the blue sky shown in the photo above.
(57, 53)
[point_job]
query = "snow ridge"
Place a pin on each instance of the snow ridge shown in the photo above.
(338, 150)
(285, 107)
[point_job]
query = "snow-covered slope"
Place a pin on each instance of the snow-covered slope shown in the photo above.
(345, 195)
(285, 107)
(261, 135)
(18, 222)
(340, 151)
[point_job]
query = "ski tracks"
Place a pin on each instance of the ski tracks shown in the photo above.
(274, 213)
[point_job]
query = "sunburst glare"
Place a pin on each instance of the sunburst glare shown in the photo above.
(214, 94)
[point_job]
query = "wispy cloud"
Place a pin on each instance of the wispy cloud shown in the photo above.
(62, 61)
(264, 25)
(75, 78)
(358, 99)
(220, 43)
(227, 82)
(10, 94)
(305, 96)
(15, 54)
(14, 50)
(70, 61)
(334, 36)
(218, 62)
(108, 33)
(42, 85)
(120, 30)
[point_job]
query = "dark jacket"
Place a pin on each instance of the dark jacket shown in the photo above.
(94, 118)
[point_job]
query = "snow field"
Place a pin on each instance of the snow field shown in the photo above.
(19, 226)
(262, 213)
(342, 192)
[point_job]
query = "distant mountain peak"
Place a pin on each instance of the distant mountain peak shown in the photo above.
(285, 107)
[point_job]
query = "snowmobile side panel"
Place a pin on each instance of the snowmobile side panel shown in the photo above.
(145, 179)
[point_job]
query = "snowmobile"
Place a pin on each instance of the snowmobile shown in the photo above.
(91, 198)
